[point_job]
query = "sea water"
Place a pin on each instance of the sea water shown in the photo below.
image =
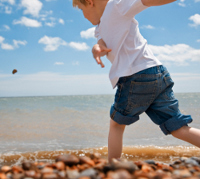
(41, 128)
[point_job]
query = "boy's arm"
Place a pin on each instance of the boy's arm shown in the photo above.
(156, 2)
(99, 50)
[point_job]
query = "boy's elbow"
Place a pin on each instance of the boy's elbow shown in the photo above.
(146, 3)
(156, 2)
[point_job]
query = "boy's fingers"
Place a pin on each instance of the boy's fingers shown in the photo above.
(98, 60)
(102, 65)
(106, 49)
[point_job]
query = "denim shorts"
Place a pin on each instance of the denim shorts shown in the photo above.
(148, 91)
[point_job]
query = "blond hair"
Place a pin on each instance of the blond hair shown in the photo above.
(81, 1)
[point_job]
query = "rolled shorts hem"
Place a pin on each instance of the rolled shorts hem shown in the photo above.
(175, 123)
(121, 119)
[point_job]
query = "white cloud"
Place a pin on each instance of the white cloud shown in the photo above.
(52, 43)
(6, 27)
(1, 39)
(50, 24)
(180, 54)
(196, 0)
(89, 33)
(198, 40)
(18, 42)
(58, 63)
(79, 46)
(47, 83)
(181, 3)
(27, 22)
(45, 14)
(186, 82)
(148, 27)
(6, 46)
(196, 20)
(32, 7)
(76, 63)
(61, 21)
(8, 10)
(12, 2)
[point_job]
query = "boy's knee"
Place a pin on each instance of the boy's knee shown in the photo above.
(115, 124)
(180, 132)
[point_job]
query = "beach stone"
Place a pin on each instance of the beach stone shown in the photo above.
(127, 165)
(119, 174)
(107, 168)
(47, 170)
(30, 173)
(164, 167)
(83, 167)
(68, 159)
(3, 176)
(196, 159)
(182, 173)
(152, 162)
(139, 164)
(50, 176)
(191, 161)
(6, 169)
(71, 174)
(99, 166)
(89, 173)
(37, 175)
(140, 174)
(26, 165)
(17, 169)
(95, 157)
(159, 174)
(14, 71)
(86, 160)
(60, 165)
(62, 174)
(146, 168)
(17, 176)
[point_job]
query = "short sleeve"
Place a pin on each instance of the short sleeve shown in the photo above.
(130, 7)
(96, 33)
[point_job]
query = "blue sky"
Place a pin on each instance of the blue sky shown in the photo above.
(49, 42)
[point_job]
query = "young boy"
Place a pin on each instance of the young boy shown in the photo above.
(143, 83)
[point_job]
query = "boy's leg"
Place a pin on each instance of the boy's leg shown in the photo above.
(115, 139)
(188, 134)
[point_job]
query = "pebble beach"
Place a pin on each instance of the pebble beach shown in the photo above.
(95, 167)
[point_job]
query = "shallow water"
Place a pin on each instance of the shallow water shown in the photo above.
(40, 128)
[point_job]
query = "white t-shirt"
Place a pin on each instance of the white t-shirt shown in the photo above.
(119, 30)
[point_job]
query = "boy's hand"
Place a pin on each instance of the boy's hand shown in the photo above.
(98, 51)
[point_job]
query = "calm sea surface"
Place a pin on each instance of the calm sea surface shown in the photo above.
(40, 128)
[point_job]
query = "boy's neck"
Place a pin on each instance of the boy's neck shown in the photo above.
(100, 6)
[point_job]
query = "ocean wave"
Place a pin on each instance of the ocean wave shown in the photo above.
(161, 154)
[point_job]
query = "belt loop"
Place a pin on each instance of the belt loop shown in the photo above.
(158, 68)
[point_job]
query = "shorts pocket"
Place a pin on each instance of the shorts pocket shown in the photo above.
(169, 94)
(118, 92)
(142, 93)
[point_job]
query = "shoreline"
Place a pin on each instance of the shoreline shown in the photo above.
(132, 153)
